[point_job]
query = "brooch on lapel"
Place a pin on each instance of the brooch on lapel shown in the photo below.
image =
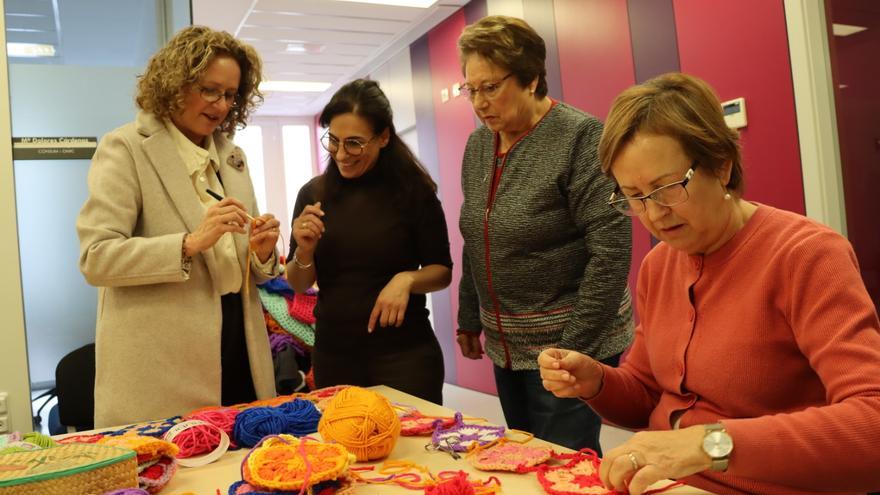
(236, 159)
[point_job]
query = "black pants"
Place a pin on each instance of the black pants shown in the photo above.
(236, 379)
(416, 370)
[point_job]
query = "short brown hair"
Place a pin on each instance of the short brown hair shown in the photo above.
(184, 60)
(507, 42)
(680, 106)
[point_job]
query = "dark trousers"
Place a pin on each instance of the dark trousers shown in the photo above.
(416, 370)
(237, 382)
(529, 407)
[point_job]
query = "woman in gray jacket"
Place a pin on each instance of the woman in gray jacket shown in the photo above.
(545, 259)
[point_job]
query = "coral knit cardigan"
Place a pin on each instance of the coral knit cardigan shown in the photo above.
(774, 335)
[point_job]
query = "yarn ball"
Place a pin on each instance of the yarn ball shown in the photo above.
(298, 417)
(363, 421)
(221, 417)
(196, 440)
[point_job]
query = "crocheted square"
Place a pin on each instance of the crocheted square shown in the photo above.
(276, 305)
(284, 462)
(508, 456)
(302, 308)
(155, 458)
(462, 436)
(580, 475)
(418, 424)
(152, 429)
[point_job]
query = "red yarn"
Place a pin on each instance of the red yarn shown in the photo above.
(196, 440)
(221, 417)
(457, 485)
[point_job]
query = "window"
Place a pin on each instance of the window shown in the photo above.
(298, 170)
(250, 139)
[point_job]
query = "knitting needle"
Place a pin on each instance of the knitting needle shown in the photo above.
(220, 198)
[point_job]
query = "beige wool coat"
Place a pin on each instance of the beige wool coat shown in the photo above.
(158, 331)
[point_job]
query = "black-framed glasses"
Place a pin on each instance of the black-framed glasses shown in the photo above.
(668, 195)
(352, 146)
(488, 89)
(213, 95)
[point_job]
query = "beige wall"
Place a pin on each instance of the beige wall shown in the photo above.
(14, 378)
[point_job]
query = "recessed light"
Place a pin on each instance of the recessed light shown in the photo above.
(846, 29)
(422, 4)
(30, 50)
(294, 86)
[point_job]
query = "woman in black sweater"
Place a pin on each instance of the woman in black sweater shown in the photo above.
(370, 231)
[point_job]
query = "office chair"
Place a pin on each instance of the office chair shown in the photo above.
(75, 387)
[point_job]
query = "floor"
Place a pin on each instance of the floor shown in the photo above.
(476, 404)
(487, 406)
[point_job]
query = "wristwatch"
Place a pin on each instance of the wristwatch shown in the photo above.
(718, 445)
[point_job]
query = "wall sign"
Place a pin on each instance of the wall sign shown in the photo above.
(53, 148)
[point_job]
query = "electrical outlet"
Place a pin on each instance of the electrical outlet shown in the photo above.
(4, 424)
(3, 396)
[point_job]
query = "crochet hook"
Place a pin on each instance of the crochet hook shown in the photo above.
(220, 198)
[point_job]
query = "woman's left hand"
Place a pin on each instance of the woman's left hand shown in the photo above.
(652, 456)
(264, 236)
(391, 304)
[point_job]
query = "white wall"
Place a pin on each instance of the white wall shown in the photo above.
(14, 378)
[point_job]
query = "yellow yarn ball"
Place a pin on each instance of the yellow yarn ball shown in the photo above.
(363, 421)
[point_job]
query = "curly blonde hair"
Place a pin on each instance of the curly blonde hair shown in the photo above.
(182, 62)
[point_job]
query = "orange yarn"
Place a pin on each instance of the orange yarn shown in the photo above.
(363, 421)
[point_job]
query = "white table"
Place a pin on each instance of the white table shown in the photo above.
(206, 480)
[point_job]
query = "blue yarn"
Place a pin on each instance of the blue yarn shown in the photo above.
(298, 418)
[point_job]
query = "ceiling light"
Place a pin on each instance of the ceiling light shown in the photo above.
(294, 86)
(422, 4)
(30, 50)
(846, 29)
(295, 48)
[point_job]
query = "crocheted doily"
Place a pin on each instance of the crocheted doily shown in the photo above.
(417, 424)
(462, 436)
(153, 429)
(284, 462)
(510, 457)
(580, 475)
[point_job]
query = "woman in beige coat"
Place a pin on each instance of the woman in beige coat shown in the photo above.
(177, 326)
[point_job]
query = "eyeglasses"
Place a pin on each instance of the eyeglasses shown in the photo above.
(668, 195)
(489, 89)
(213, 95)
(352, 146)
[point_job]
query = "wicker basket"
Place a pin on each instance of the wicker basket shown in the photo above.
(74, 469)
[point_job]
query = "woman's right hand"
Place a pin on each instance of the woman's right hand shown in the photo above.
(469, 342)
(229, 215)
(569, 373)
(307, 229)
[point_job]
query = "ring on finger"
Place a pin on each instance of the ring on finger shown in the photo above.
(305, 225)
(633, 461)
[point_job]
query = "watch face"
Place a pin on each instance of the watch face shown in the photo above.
(717, 444)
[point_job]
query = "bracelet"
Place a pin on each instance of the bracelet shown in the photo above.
(185, 261)
(300, 265)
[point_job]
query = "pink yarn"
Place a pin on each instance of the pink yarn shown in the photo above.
(457, 485)
(196, 440)
(221, 417)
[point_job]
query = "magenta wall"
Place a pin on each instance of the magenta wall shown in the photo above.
(453, 122)
(751, 62)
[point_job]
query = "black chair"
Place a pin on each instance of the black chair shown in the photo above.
(75, 387)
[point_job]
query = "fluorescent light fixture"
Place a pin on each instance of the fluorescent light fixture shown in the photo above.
(295, 48)
(294, 86)
(846, 29)
(422, 4)
(30, 50)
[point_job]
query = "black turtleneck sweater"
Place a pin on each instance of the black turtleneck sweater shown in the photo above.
(370, 236)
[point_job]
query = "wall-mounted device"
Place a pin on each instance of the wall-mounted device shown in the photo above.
(735, 113)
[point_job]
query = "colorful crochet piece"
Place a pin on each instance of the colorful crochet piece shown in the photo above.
(417, 424)
(462, 436)
(155, 458)
(276, 305)
(508, 456)
(580, 475)
(284, 462)
(154, 429)
(302, 307)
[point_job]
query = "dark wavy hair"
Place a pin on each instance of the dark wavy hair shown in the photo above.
(396, 161)
(182, 62)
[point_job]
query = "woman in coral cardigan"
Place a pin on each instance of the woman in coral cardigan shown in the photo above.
(755, 364)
